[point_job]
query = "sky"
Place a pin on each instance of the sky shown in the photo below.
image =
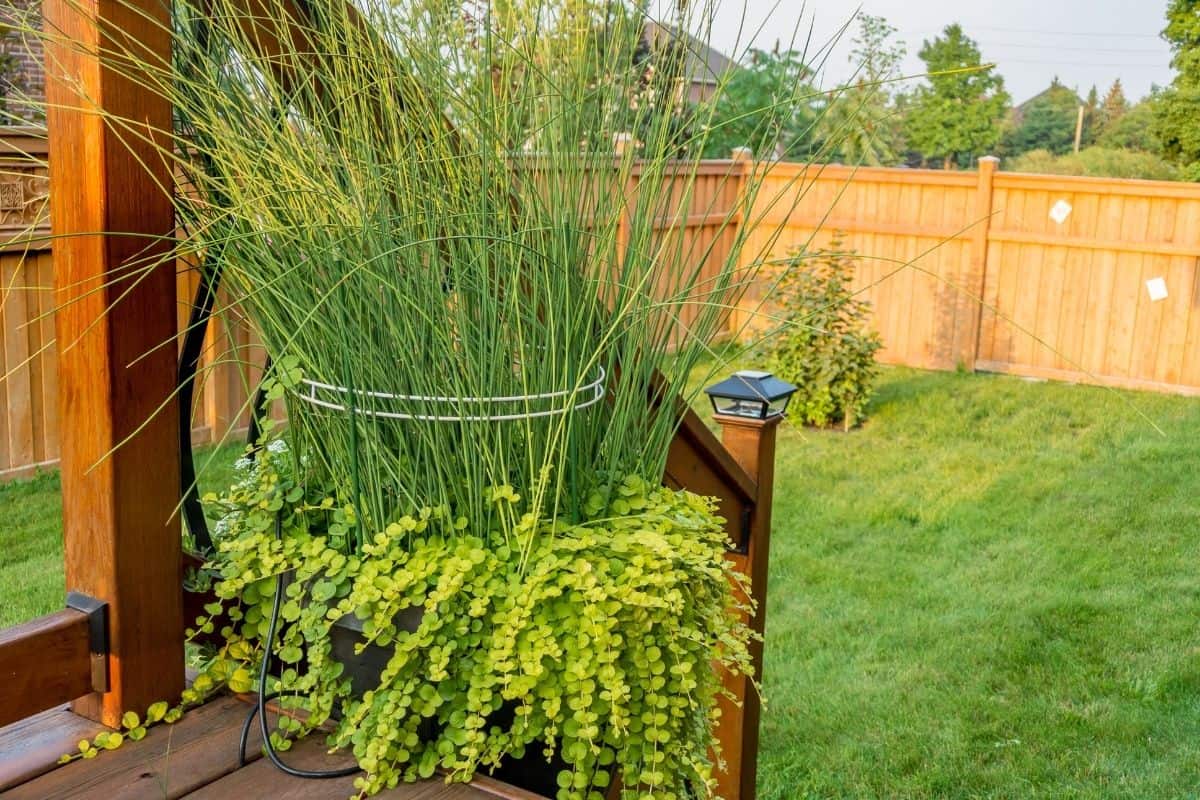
(1083, 42)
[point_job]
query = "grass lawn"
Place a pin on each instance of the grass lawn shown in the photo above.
(991, 590)
(988, 591)
(31, 565)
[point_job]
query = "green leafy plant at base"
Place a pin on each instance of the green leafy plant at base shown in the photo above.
(602, 645)
(824, 346)
(133, 729)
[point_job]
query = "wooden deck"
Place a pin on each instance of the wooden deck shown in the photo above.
(195, 758)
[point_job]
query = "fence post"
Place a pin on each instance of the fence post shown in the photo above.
(969, 296)
(735, 320)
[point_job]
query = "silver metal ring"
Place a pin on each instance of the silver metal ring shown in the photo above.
(595, 389)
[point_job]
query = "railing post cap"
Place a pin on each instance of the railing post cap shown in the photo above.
(735, 421)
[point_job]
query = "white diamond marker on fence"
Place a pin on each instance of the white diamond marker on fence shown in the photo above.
(1060, 211)
(1157, 289)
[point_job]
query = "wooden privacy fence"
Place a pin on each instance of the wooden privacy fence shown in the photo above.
(1042, 276)
(691, 227)
(1034, 275)
(29, 429)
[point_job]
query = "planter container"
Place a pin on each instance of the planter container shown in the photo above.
(531, 772)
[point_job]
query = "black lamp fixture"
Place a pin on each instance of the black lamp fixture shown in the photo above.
(752, 394)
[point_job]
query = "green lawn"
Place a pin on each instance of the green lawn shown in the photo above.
(991, 590)
(31, 567)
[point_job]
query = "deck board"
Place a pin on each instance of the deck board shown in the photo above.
(194, 759)
(31, 747)
(170, 762)
(262, 779)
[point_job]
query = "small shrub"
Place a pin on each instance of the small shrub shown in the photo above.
(825, 347)
(1099, 162)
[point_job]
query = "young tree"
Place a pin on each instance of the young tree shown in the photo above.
(1115, 105)
(958, 114)
(861, 124)
(1047, 122)
(769, 105)
(1177, 108)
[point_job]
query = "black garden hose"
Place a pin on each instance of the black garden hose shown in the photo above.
(260, 707)
(189, 362)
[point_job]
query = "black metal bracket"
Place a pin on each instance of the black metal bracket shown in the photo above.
(98, 644)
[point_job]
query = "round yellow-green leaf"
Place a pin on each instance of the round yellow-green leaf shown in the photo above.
(156, 711)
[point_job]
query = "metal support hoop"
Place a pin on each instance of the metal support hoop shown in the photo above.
(592, 393)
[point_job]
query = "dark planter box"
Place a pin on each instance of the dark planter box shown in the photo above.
(531, 772)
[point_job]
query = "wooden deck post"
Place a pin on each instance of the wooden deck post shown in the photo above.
(122, 540)
(751, 442)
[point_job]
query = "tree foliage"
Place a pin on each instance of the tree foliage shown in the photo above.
(1096, 161)
(957, 115)
(1115, 104)
(1047, 122)
(1177, 108)
(769, 105)
(862, 125)
(826, 348)
(1133, 129)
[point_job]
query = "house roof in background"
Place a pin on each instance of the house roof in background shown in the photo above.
(1055, 86)
(703, 65)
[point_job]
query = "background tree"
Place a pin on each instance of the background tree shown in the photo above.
(1177, 108)
(1114, 106)
(958, 114)
(1046, 122)
(769, 105)
(862, 124)
(631, 81)
(1096, 161)
(1132, 129)
(1091, 116)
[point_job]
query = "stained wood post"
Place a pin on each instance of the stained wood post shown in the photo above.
(752, 444)
(968, 301)
(122, 540)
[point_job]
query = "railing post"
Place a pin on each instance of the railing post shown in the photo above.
(751, 442)
(116, 329)
(969, 297)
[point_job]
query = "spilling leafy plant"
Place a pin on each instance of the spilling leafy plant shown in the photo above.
(598, 644)
(824, 346)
